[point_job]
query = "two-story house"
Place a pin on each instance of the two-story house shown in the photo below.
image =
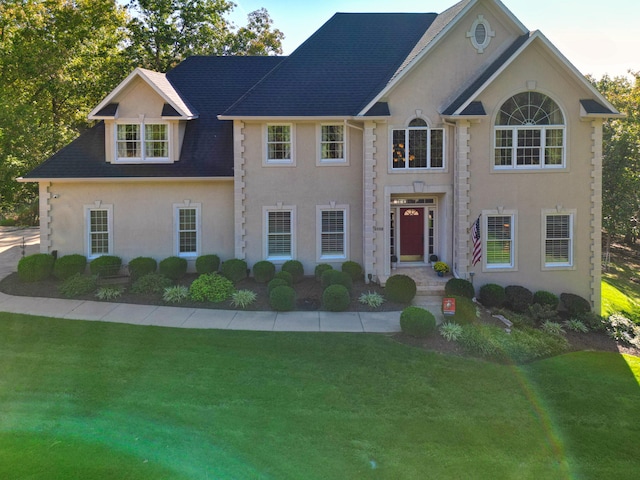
(382, 137)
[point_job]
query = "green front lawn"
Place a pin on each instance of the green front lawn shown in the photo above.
(619, 292)
(98, 400)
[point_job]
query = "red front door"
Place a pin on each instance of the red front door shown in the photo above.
(411, 234)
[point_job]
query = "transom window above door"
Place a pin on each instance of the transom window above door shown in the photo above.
(417, 147)
(529, 133)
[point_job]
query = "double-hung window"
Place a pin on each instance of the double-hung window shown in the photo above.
(332, 228)
(529, 133)
(142, 142)
(332, 144)
(279, 233)
(558, 239)
(187, 229)
(99, 228)
(279, 144)
(499, 241)
(417, 146)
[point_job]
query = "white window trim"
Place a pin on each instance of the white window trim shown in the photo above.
(278, 259)
(87, 227)
(290, 162)
(319, 210)
(501, 267)
(406, 168)
(471, 34)
(176, 226)
(514, 147)
(332, 161)
(572, 244)
(143, 159)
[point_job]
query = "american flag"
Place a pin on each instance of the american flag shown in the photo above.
(477, 242)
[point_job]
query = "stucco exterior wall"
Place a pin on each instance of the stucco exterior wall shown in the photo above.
(304, 186)
(143, 216)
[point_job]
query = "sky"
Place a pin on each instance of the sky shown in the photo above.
(597, 37)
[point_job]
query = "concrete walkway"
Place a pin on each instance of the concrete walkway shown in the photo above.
(11, 239)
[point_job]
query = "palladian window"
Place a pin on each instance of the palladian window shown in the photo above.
(529, 133)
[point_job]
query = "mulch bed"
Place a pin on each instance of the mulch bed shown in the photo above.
(309, 298)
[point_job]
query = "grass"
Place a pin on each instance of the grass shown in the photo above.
(99, 400)
(619, 293)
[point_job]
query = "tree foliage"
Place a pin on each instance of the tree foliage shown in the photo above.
(621, 157)
(60, 58)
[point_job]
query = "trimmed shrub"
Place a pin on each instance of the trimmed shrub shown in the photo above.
(286, 276)
(417, 322)
(335, 298)
(264, 271)
(77, 284)
(211, 287)
(400, 288)
(542, 297)
(336, 277)
(151, 283)
(174, 268)
(282, 298)
(492, 295)
(459, 287)
(36, 267)
(353, 269)
(518, 298)
(540, 313)
(466, 311)
(106, 265)
(68, 265)
(575, 304)
(276, 282)
(141, 266)
(234, 269)
(207, 263)
(320, 269)
(295, 268)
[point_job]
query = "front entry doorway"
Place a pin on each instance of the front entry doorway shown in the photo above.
(413, 230)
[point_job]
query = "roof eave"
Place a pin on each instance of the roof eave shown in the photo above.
(122, 179)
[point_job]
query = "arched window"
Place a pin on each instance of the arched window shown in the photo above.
(418, 146)
(529, 133)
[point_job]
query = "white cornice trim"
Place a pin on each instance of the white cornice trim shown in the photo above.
(181, 107)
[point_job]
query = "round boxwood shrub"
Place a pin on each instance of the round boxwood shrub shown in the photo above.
(518, 298)
(575, 304)
(286, 276)
(234, 269)
(542, 297)
(207, 263)
(466, 311)
(141, 266)
(459, 287)
(264, 271)
(211, 287)
(295, 268)
(353, 269)
(105, 265)
(492, 295)
(336, 277)
(173, 268)
(400, 288)
(320, 269)
(335, 298)
(417, 322)
(68, 265)
(276, 282)
(282, 298)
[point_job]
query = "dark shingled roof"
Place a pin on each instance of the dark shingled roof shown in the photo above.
(210, 84)
(339, 69)
(484, 76)
(108, 111)
(592, 106)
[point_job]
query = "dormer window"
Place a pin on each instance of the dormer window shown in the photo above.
(142, 142)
